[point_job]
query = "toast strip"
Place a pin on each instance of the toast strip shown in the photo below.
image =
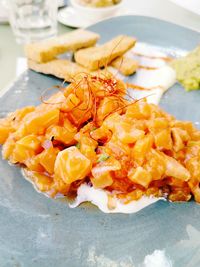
(125, 65)
(47, 50)
(61, 68)
(64, 69)
(94, 58)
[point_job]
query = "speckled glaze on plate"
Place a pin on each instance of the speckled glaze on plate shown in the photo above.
(37, 231)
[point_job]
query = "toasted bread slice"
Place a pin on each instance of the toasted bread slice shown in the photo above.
(61, 68)
(47, 50)
(125, 65)
(65, 69)
(94, 58)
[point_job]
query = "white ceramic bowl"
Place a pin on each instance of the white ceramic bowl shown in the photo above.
(96, 13)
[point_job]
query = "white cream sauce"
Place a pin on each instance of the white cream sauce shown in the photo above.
(157, 81)
(152, 96)
(154, 75)
(162, 77)
(99, 198)
(148, 50)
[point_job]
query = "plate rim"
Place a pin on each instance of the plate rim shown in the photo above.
(145, 17)
(22, 261)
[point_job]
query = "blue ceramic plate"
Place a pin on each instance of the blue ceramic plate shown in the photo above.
(37, 231)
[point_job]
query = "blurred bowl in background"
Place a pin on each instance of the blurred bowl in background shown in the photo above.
(96, 13)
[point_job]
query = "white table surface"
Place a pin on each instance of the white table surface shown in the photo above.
(166, 10)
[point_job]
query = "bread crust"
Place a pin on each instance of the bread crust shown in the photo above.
(61, 68)
(47, 50)
(127, 66)
(94, 58)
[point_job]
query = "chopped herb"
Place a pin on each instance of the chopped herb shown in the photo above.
(78, 145)
(103, 157)
(93, 129)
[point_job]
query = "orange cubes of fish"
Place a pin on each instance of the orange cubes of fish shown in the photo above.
(140, 176)
(87, 146)
(175, 169)
(70, 103)
(47, 159)
(106, 107)
(8, 147)
(127, 133)
(155, 164)
(71, 165)
(62, 134)
(141, 148)
(25, 148)
(39, 120)
(163, 139)
(139, 110)
(102, 180)
(5, 130)
(12, 122)
(102, 172)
